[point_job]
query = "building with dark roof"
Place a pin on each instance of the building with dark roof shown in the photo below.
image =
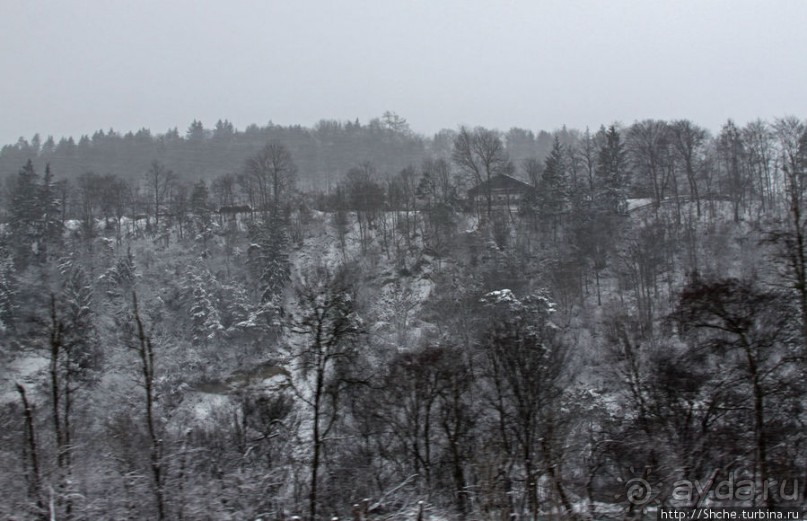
(505, 192)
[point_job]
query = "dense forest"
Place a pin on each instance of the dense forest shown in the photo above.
(318, 322)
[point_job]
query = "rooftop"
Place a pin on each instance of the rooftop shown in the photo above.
(500, 183)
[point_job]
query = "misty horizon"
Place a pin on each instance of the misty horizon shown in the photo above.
(486, 260)
(75, 70)
(210, 126)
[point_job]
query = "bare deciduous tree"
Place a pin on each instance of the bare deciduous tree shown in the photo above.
(792, 137)
(480, 154)
(145, 351)
(160, 180)
(328, 327)
(273, 171)
(648, 145)
(688, 140)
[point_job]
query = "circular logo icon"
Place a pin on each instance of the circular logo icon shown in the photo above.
(639, 491)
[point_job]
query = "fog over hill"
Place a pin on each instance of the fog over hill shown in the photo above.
(403, 260)
(74, 69)
(263, 339)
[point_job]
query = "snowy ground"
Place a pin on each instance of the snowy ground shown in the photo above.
(24, 370)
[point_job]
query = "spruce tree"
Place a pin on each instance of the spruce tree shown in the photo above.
(50, 214)
(271, 257)
(612, 173)
(120, 278)
(80, 335)
(24, 213)
(205, 317)
(553, 189)
(8, 294)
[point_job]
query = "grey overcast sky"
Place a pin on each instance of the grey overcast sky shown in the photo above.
(70, 68)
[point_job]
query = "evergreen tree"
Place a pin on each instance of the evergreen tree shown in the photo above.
(206, 321)
(196, 131)
(35, 214)
(8, 294)
(236, 308)
(49, 206)
(24, 213)
(612, 173)
(269, 256)
(120, 278)
(553, 187)
(80, 336)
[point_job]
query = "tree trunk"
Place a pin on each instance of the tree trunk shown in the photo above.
(312, 495)
(34, 481)
(146, 351)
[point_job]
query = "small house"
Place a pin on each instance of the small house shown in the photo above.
(505, 192)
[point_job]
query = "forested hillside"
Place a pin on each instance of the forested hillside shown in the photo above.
(284, 321)
(322, 152)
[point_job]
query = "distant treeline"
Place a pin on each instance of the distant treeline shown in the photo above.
(322, 153)
(654, 159)
(329, 149)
